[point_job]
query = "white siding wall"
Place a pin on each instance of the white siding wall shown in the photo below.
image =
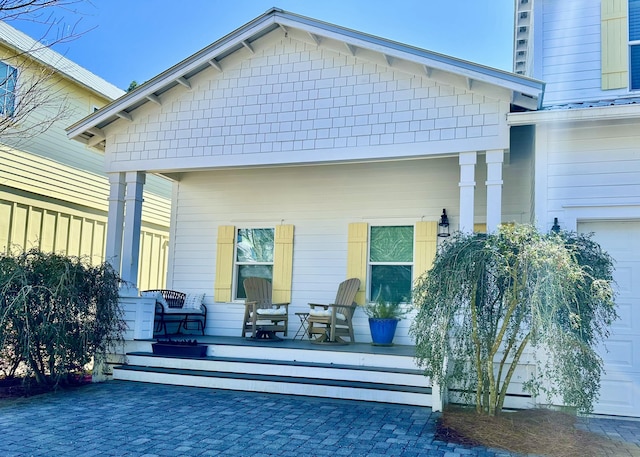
(320, 202)
(588, 166)
(324, 105)
(567, 51)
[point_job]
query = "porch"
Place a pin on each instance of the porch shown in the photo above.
(357, 371)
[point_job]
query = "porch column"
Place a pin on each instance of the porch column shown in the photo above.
(467, 161)
(132, 225)
(115, 219)
(494, 182)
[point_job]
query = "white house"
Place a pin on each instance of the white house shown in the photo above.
(323, 138)
(586, 141)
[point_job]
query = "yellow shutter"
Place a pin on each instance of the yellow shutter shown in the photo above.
(426, 246)
(283, 264)
(224, 263)
(479, 228)
(357, 249)
(614, 44)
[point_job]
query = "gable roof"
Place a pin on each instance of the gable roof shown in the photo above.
(526, 92)
(24, 44)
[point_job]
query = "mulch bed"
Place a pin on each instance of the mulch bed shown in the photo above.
(536, 431)
(20, 387)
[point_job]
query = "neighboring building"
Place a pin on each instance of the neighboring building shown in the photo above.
(54, 192)
(586, 143)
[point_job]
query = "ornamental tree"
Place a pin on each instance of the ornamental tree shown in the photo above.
(490, 296)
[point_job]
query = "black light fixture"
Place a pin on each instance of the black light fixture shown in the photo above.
(556, 227)
(443, 226)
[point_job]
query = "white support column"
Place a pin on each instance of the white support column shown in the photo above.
(115, 221)
(132, 225)
(467, 161)
(494, 160)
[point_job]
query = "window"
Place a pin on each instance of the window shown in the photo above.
(634, 43)
(8, 79)
(391, 263)
(254, 256)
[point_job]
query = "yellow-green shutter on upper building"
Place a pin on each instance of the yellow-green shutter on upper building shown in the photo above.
(283, 264)
(426, 239)
(357, 248)
(224, 263)
(614, 30)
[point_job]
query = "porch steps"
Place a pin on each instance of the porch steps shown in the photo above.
(365, 376)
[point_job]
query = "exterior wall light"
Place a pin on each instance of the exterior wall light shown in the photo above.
(443, 226)
(556, 227)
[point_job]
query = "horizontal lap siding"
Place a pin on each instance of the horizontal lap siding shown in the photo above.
(593, 166)
(320, 202)
(570, 52)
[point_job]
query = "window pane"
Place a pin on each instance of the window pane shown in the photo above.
(251, 271)
(391, 282)
(635, 67)
(391, 244)
(255, 245)
(8, 79)
(634, 20)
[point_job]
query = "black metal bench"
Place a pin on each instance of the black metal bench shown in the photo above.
(175, 312)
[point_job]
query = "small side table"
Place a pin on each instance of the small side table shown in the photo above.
(302, 330)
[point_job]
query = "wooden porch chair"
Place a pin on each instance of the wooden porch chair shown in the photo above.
(262, 317)
(329, 323)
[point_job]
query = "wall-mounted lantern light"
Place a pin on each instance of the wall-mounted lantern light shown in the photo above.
(443, 225)
(556, 227)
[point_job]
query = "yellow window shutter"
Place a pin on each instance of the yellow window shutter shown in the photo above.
(283, 264)
(479, 228)
(426, 238)
(224, 263)
(614, 42)
(357, 249)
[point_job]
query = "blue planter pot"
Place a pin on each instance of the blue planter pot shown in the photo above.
(382, 331)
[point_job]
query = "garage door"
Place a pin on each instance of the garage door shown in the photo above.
(620, 386)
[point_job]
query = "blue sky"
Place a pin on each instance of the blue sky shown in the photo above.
(128, 40)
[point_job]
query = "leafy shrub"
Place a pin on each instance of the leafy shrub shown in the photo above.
(56, 314)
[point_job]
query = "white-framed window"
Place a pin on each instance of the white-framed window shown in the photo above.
(391, 263)
(634, 44)
(8, 82)
(253, 256)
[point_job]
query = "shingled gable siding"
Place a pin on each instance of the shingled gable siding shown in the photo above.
(295, 96)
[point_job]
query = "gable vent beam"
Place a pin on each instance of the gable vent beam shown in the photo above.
(316, 39)
(94, 141)
(247, 45)
(428, 71)
(125, 115)
(154, 98)
(182, 80)
(214, 63)
(388, 59)
(96, 132)
(284, 29)
(351, 48)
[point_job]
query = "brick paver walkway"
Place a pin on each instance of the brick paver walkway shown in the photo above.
(120, 418)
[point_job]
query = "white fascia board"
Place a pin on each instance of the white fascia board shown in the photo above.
(430, 59)
(599, 113)
(169, 76)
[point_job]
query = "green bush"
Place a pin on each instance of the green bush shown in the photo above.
(56, 314)
(489, 296)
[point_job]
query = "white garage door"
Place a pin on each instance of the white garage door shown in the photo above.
(620, 386)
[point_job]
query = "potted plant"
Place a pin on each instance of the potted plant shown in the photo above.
(184, 348)
(383, 320)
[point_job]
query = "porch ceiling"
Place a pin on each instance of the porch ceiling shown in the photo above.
(525, 92)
